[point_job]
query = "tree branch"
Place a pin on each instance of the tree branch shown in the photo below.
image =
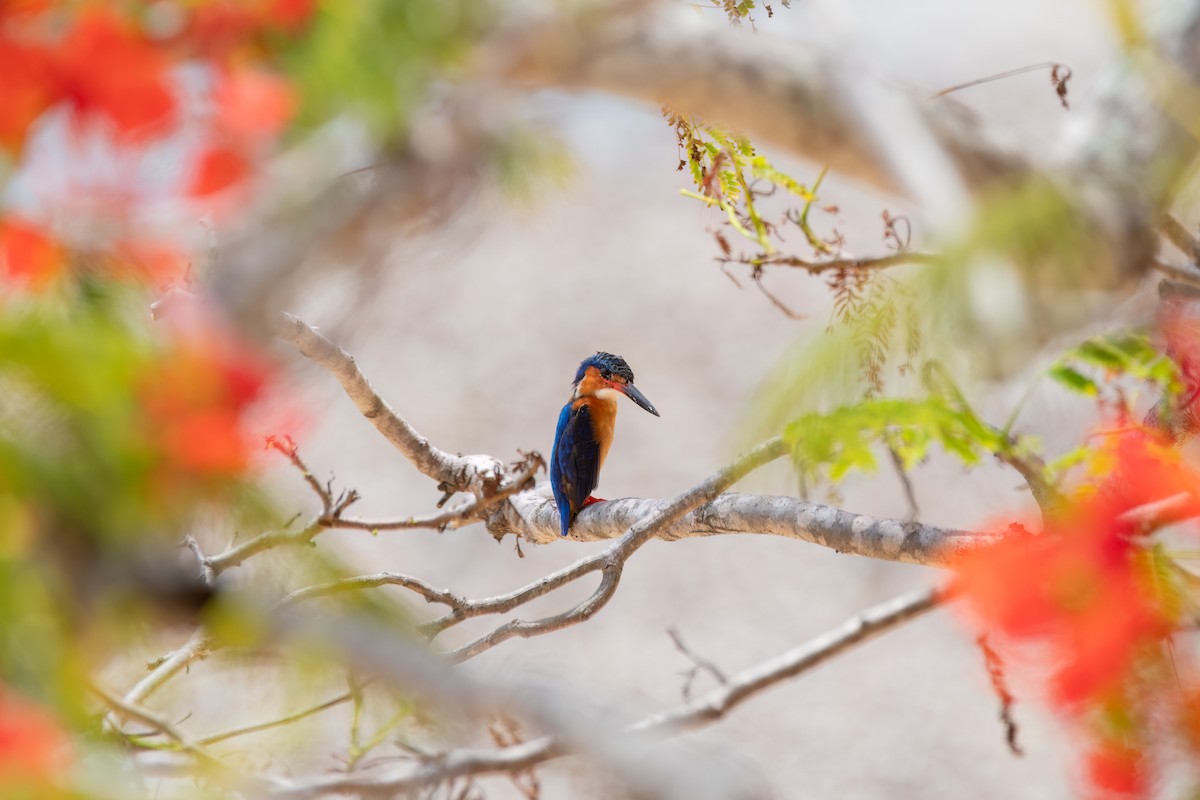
(1120, 160)
(193, 650)
(219, 769)
(534, 517)
(741, 687)
(835, 264)
(611, 561)
(762, 86)
(702, 711)
(455, 473)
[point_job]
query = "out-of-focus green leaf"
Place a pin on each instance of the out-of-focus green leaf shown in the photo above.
(1120, 354)
(1073, 379)
(378, 58)
(844, 440)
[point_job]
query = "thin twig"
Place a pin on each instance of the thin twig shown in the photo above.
(455, 517)
(698, 664)
(207, 574)
(196, 648)
(1059, 74)
(125, 708)
(1189, 275)
(835, 264)
(1179, 236)
(995, 668)
(746, 684)
(276, 723)
(914, 511)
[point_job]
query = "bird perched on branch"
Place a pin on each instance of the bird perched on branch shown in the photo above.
(585, 431)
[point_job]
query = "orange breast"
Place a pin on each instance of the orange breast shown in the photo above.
(603, 410)
(603, 413)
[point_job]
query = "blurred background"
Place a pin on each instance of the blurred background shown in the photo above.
(473, 333)
(471, 321)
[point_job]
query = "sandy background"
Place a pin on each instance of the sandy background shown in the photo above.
(478, 329)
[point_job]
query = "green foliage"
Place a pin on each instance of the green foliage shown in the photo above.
(834, 444)
(87, 491)
(731, 175)
(1120, 354)
(377, 58)
(520, 158)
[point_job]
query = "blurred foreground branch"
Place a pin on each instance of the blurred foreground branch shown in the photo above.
(704, 710)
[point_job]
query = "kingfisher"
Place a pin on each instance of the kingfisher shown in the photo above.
(585, 431)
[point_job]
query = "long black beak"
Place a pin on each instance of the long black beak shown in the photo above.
(636, 396)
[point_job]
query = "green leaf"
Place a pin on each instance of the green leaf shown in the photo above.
(1073, 379)
(846, 440)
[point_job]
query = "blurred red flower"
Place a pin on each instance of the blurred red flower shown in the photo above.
(105, 66)
(25, 91)
(28, 257)
(34, 750)
(196, 400)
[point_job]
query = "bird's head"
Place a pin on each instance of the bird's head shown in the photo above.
(605, 375)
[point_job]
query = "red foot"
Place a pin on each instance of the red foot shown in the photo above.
(591, 500)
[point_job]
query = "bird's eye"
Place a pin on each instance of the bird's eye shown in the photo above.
(607, 375)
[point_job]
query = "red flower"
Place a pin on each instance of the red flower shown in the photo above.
(1115, 769)
(221, 27)
(217, 169)
(28, 257)
(196, 401)
(106, 67)
(25, 91)
(253, 105)
(33, 748)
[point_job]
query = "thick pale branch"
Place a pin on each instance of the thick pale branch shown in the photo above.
(772, 90)
(534, 517)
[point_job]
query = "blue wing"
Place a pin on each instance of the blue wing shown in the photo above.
(574, 463)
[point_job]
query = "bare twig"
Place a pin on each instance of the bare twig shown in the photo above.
(1189, 274)
(746, 684)
(236, 554)
(276, 723)
(995, 668)
(835, 264)
(469, 512)
(124, 708)
(698, 664)
(196, 648)
(910, 494)
(206, 571)
(288, 449)
(1059, 75)
(1179, 236)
